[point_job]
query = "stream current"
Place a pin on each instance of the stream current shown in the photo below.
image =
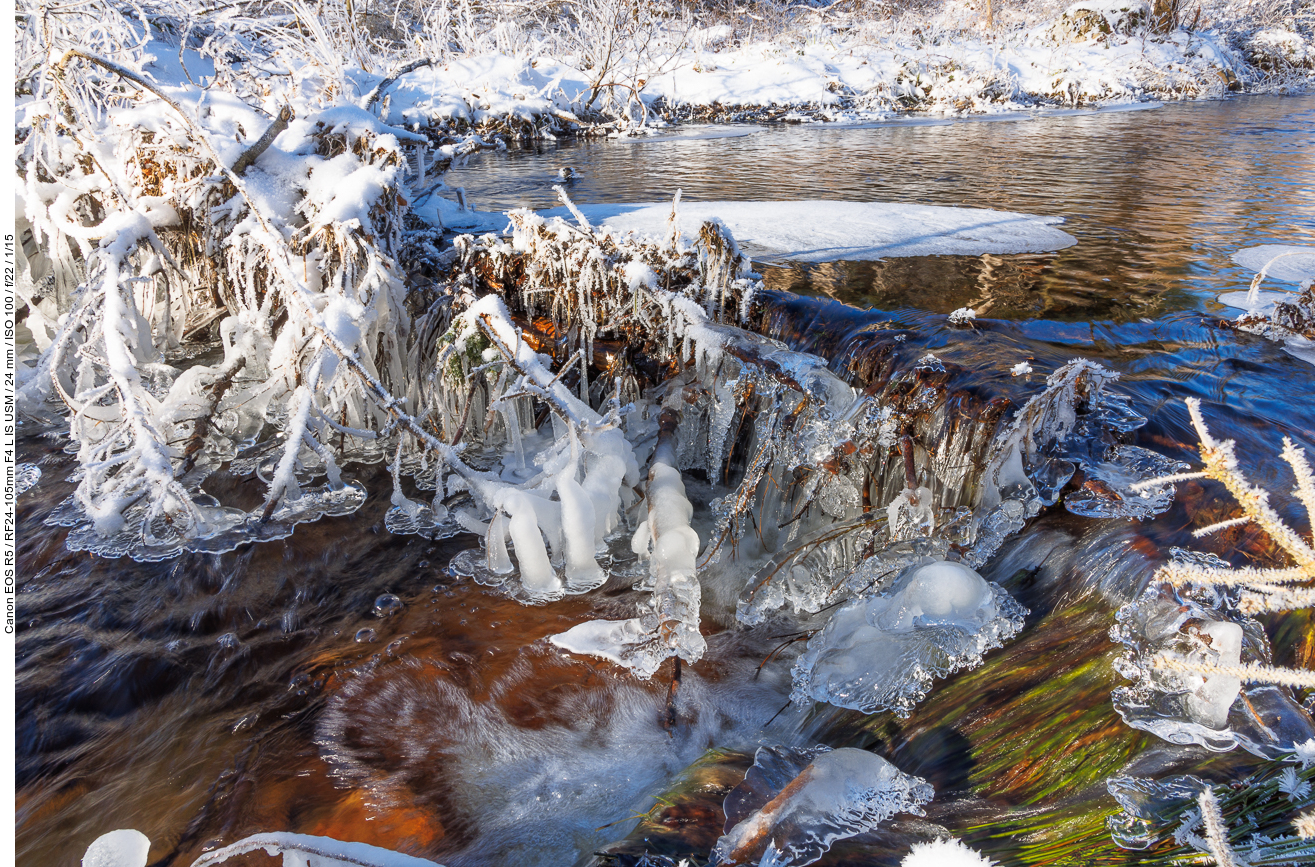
(341, 683)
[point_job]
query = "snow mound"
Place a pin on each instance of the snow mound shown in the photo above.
(824, 231)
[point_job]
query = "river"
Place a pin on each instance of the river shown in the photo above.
(342, 683)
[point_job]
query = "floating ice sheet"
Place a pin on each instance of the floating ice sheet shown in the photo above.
(698, 132)
(1287, 262)
(822, 231)
(882, 654)
(795, 804)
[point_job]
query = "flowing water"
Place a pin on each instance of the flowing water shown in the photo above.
(341, 683)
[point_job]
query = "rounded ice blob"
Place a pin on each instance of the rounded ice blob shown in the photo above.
(123, 848)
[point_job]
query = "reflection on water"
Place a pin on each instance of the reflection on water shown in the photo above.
(1159, 200)
(267, 689)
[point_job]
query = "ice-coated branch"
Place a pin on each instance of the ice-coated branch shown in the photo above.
(570, 206)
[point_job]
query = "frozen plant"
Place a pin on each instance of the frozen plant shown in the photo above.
(1259, 589)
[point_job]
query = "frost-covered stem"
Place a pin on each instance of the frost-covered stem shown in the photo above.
(1220, 460)
(251, 154)
(1161, 481)
(1178, 572)
(1251, 672)
(1305, 489)
(1216, 832)
(1263, 598)
(1222, 525)
(570, 206)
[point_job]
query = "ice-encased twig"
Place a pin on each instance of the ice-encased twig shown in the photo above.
(670, 624)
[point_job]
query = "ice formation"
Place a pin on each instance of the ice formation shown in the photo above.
(665, 539)
(1285, 317)
(795, 804)
(1288, 262)
(882, 653)
(1159, 813)
(1214, 710)
(305, 850)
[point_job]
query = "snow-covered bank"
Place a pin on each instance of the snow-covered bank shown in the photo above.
(1089, 54)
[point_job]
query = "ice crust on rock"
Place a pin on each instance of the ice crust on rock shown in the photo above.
(1145, 805)
(882, 653)
(1185, 707)
(1109, 493)
(794, 804)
